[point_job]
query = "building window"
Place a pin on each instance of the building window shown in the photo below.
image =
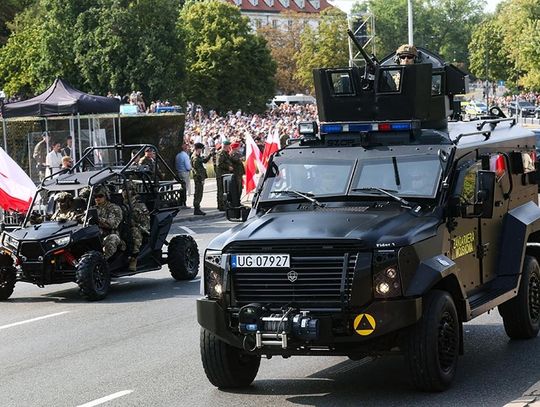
(274, 24)
(270, 3)
(285, 3)
(238, 2)
(300, 3)
(315, 3)
(258, 23)
(254, 2)
(289, 24)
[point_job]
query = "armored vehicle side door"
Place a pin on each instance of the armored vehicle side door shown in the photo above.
(465, 227)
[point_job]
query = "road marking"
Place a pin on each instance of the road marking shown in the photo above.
(32, 320)
(191, 232)
(106, 398)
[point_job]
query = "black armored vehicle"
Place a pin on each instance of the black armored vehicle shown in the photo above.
(51, 249)
(383, 229)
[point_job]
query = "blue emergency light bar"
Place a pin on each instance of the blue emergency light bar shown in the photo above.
(336, 128)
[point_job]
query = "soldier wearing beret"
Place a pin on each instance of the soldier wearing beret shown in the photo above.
(224, 165)
(199, 175)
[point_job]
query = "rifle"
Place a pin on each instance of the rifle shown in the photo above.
(371, 63)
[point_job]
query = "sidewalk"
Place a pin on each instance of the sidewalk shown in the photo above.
(208, 204)
(531, 398)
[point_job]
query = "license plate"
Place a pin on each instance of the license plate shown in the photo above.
(260, 260)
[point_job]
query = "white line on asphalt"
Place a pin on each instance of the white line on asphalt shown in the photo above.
(106, 398)
(32, 320)
(191, 232)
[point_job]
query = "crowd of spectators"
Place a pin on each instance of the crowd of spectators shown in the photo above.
(502, 101)
(212, 129)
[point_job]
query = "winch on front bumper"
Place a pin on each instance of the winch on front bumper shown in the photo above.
(294, 331)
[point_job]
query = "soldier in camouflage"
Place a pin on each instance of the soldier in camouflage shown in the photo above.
(224, 165)
(238, 165)
(199, 175)
(65, 210)
(109, 216)
(140, 222)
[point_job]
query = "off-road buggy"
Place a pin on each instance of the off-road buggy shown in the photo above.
(44, 252)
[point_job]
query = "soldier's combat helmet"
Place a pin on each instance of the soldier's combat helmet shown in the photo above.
(407, 49)
(102, 190)
(64, 197)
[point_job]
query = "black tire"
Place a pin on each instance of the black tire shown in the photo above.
(8, 278)
(93, 276)
(225, 366)
(521, 314)
(183, 257)
(433, 343)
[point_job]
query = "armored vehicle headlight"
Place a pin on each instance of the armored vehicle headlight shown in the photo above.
(213, 274)
(386, 277)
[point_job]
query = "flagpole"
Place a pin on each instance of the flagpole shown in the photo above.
(4, 131)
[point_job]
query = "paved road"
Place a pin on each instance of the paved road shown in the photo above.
(140, 347)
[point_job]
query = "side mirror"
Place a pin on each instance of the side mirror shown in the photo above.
(485, 189)
(92, 216)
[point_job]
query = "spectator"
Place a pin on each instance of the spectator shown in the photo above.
(183, 168)
(54, 158)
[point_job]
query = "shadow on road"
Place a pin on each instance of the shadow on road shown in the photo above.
(123, 290)
(493, 372)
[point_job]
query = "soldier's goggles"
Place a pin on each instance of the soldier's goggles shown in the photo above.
(406, 57)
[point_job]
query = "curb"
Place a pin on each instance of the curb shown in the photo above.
(531, 398)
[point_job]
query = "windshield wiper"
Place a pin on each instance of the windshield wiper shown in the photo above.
(305, 195)
(387, 192)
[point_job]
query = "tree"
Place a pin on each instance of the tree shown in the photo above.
(228, 67)
(325, 46)
(488, 59)
(442, 26)
(285, 43)
(8, 10)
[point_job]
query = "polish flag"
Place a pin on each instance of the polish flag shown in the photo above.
(253, 164)
(271, 145)
(16, 188)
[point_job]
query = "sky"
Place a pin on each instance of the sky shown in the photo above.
(491, 4)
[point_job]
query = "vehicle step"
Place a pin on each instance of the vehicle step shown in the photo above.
(494, 293)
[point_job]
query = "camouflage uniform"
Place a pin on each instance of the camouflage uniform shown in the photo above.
(40, 155)
(151, 163)
(140, 219)
(110, 216)
(224, 165)
(65, 210)
(199, 175)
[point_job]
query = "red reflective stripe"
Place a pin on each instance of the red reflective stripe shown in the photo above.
(500, 166)
(385, 127)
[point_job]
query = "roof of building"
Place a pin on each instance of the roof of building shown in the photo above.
(278, 6)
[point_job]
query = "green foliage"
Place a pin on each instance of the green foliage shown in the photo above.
(442, 26)
(8, 11)
(99, 46)
(326, 46)
(228, 67)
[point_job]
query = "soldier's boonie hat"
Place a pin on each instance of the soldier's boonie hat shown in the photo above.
(407, 49)
(64, 196)
(102, 190)
(226, 143)
(199, 145)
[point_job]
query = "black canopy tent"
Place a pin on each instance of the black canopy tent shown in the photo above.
(61, 99)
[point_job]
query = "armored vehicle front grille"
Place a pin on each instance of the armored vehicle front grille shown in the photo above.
(31, 250)
(323, 280)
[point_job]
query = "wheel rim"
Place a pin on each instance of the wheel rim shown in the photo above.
(447, 342)
(534, 297)
(99, 278)
(190, 258)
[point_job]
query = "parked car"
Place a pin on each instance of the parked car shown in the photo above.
(521, 108)
(475, 109)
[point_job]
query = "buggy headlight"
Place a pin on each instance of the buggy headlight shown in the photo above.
(62, 241)
(213, 274)
(11, 242)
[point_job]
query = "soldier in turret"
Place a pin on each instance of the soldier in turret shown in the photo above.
(65, 210)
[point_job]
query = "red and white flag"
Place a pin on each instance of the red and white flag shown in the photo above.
(16, 188)
(271, 145)
(253, 164)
